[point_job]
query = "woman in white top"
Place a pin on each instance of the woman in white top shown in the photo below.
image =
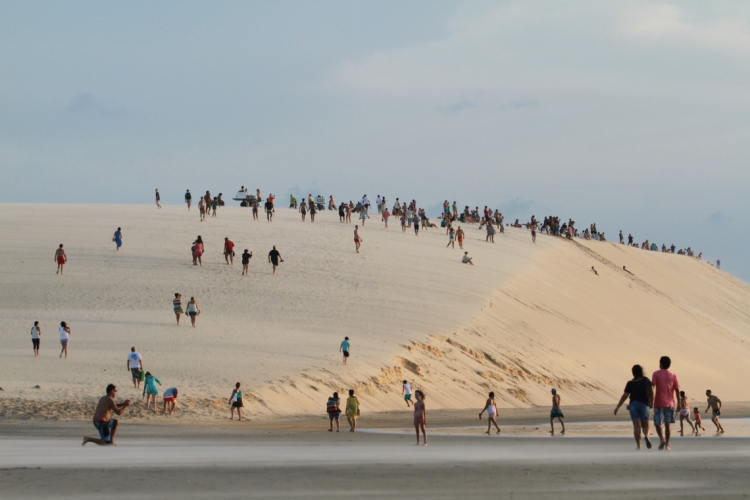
(491, 408)
(193, 310)
(36, 332)
(64, 338)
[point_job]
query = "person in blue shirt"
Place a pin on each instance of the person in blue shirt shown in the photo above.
(118, 238)
(345, 348)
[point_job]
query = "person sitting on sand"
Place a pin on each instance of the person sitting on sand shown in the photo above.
(170, 399)
(352, 410)
(420, 416)
(491, 408)
(466, 259)
(60, 258)
(556, 413)
(641, 394)
(333, 411)
(715, 404)
(236, 401)
(150, 390)
(103, 421)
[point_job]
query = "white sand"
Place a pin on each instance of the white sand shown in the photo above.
(524, 318)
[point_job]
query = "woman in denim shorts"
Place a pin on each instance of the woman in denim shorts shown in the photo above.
(641, 394)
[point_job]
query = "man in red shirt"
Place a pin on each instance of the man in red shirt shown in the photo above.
(666, 390)
(229, 251)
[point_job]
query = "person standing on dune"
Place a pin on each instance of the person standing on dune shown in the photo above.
(193, 310)
(246, 256)
(60, 258)
(135, 366)
(344, 348)
(103, 421)
(177, 306)
(36, 334)
(460, 237)
(667, 389)
(64, 338)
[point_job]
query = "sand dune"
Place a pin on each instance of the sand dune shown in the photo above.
(525, 318)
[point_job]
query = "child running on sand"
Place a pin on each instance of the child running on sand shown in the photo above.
(698, 420)
(406, 393)
(491, 408)
(556, 413)
(685, 412)
(236, 401)
(420, 416)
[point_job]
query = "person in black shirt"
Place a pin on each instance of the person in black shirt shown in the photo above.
(188, 199)
(269, 210)
(641, 395)
(246, 256)
(274, 257)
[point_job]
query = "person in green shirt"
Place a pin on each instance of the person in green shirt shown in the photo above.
(150, 390)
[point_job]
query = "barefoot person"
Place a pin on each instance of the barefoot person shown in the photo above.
(150, 390)
(135, 366)
(667, 388)
(357, 239)
(36, 334)
(352, 411)
(344, 348)
(229, 251)
(246, 256)
(491, 409)
(698, 420)
(117, 238)
(333, 411)
(64, 338)
(466, 259)
(406, 393)
(556, 413)
(685, 412)
(158, 199)
(641, 394)
(236, 401)
(420, 416)
(103, 421)
(188, 198)
(193, 310)
(715, 404)
(274, 257)
(460, 237)
(60, 258)
(177, 306)
(170, 399)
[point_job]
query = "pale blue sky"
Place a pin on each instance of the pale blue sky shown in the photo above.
(632, 115)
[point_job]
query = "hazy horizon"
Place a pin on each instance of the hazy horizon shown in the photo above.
(633, 115)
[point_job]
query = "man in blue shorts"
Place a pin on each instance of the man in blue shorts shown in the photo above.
(103, 421)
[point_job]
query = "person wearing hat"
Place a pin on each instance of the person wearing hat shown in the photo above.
(556, 413)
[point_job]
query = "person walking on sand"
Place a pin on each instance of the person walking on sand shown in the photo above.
(715, 404)
(490, 238)
(170, 399)
(641, 394)
(274, 257)
(158, 199)
(491, 409)
(667, 388)
(303, 209)
(363, 215)
(64, 338)
(556, 413)
(214, 206)
(229, 251)
(236, 401)
(188, 198)
(103, 421)
(60, 258)
(386, 215)
(197, 251)
(466, 259)
(177, 306)
(313, 211)
(406, 393)
(193, 310)
(357, 239)
(344, 348)
(255, 209)
(202, 208)
(685, 412)
(150, 390)
(36, 334)
(352, 411)
(460, 237)
(117, 238)
(334, 411)
(246, 256)
(135, 366)
(698, 420)
(269, 210)
(420, 416)
(533, 234)
(451, 239)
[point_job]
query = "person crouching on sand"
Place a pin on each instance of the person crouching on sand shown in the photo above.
(556, 413)
(103, 421)
(236, 401)
(170, 399)
(420, 416)
(641, 394)
(491, 408)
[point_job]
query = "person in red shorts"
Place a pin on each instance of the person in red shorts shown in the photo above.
(666, 390)
(60, 258)
(229, 251)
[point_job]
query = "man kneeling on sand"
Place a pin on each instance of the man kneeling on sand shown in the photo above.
(103, 422)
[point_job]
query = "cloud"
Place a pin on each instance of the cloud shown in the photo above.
(716, 219)
(455, 109)
(664, 22)
(88, 104)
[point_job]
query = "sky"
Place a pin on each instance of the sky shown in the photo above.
(633, 115)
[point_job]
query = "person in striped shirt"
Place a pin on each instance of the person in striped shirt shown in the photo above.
(177, 303)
